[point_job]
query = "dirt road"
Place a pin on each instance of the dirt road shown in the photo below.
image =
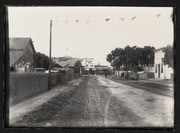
(99, 102)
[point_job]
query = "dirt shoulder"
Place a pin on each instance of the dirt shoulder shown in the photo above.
(16, 112)
(154, 87)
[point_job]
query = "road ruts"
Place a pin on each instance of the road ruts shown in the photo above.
(99, 102)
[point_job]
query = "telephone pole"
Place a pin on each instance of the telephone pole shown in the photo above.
(49, 78)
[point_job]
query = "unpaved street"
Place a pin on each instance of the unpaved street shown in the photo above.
(98, 102)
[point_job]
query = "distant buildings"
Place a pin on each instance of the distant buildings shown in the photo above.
(64, 64)
(21, 54)
(101, 69)
(161, 71)
(91, 68)
(88, 64)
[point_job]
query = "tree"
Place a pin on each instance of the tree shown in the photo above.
(41, 60)
(148, 55)
(77, 67)
(131, 57)
(168, 56)
(109, 57)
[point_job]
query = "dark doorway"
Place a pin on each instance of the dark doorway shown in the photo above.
(158, 70)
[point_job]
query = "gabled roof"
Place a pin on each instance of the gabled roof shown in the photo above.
(72, 62)
(20, 43)
(63, 63)
(16, 48)
(15, 56)
(68, 63)
(56, 65)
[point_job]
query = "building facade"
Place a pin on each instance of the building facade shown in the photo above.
(102, 69)
(161, 71)
(88, 64)
(21, 54)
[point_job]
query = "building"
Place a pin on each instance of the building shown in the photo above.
(39, 70)
(101, 69)
(21, 54)
(161, 71)
(68, 65)
(88, 64)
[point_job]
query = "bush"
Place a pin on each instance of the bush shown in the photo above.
(139, 69)
(150, 74)
(126, 75)
(134, 76)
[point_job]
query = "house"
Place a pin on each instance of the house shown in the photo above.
(68, 64)
(162, 71)
(21, 54)
(56, 68)
(101, 69)
(39, 70)
(88, 64)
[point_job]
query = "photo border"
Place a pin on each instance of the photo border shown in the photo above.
(4, 64)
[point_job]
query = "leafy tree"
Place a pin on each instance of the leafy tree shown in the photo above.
(109, 57)
(130, 58)
(41, 60)
(168, 57)
(77, 67)
(148, 55)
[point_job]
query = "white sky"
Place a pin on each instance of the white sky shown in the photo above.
(91, 36)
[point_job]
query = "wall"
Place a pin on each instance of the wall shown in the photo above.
(25, 62)
(24, 85)
(149, 69)
(164, 71)
(168, 71)
(143, 76)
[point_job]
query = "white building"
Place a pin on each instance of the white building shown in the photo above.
(88, 63)
(161, 71)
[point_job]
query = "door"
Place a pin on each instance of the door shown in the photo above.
(158, 70)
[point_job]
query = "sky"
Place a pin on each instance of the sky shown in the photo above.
(91, 32)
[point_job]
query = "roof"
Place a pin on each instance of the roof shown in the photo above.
(16, 48)
(56, 65)
(15, 56)
(39, 68)
(19, 43)
(63, 63)
(99, 67)
(72, 62)
(68, 63)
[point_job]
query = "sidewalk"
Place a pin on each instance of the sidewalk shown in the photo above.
(159, 81)
(161, 87)
(164, 82)
(20, 109)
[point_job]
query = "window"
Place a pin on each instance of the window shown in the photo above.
(156, 69)
(161, 68)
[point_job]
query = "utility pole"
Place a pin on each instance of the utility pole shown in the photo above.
(127, 63)
(148, 61)
(49, 83)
